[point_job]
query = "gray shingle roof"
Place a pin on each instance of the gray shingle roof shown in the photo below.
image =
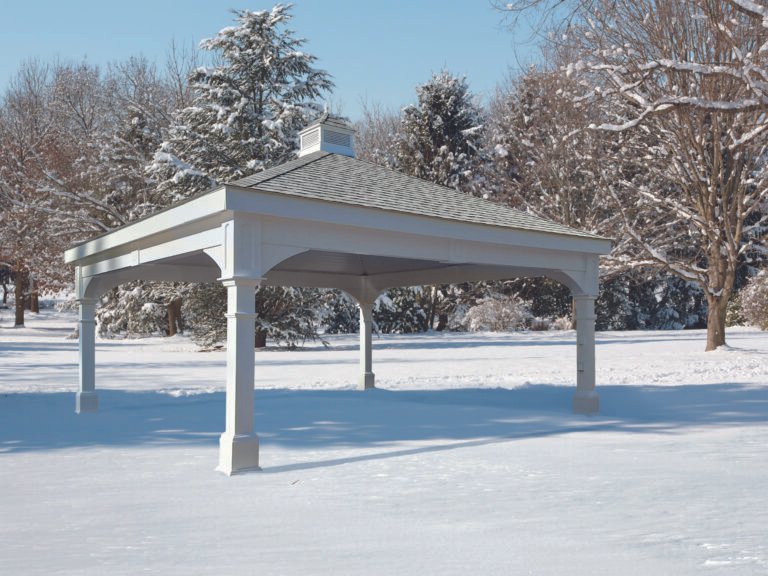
(337, 178)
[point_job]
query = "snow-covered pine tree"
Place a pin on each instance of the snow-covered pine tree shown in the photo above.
(441, 134)
(643, 299)
(399, 311)
(141, 312)
(247, 108)
(754, 300)
(245, 115)
(545, 298)
(439, 139)
(338, 312)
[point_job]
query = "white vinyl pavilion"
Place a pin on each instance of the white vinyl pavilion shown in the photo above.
(329, 220)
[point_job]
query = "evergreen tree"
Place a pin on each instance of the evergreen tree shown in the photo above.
(439, 139)
(338, 313)
(245, 117)
(754, 300)
(246, 111)
(399, 311)
(441, 135)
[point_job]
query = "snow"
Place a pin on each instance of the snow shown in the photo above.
(466, 460)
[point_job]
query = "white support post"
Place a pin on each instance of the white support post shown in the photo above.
(367, 377)
(87, 400)
(586, 400)
(239, 445)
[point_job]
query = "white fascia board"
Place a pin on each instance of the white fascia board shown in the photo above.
(192, 243)
(352, 239)
(165, 222)
(188, 244)
(337, 213)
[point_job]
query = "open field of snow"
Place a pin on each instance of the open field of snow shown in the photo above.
(466, 460)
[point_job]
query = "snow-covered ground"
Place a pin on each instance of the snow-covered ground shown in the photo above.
(466, 460)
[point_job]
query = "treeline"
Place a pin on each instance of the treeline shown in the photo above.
(646, 126)
(75, 142)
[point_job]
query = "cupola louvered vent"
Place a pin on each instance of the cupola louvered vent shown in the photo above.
(310, 139)
(328, 134)
(337, 138)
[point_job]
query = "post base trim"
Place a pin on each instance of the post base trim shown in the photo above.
(586, 402)
(238, 453)
(86, 402)
(367, 381)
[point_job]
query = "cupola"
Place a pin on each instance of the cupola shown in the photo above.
(327, 134)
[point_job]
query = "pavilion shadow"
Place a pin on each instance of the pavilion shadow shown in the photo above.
(377, 421)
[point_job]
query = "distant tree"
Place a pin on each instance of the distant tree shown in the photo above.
(546, 299)
(145, 99)
(683, 84)
(543, 160)
(289, 316)
(28, 136)
(400, 311)
(85, 174)
(108, 123)
(441, 135)
(377, 137)
(649, 300)
(497, 313)
(246, 110)
(754, 301)
(5, 278)
(244, 117)
(338, 313)
(439, 139)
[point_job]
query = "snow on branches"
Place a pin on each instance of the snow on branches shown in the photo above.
(685, 83)
(247, 109)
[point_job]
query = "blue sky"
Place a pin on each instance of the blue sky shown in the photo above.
(377, 51)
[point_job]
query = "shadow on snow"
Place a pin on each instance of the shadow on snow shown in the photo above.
(376, 422)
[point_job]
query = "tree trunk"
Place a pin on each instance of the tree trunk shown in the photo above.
(716, 308)
(429, 321)
(31, 301)
(442, 322)
(261, 338)
(175, 324)
(19, 295)
(34, 302)
(5, 294)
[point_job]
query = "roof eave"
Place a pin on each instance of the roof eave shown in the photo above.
(188, 212)
(341, 213)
